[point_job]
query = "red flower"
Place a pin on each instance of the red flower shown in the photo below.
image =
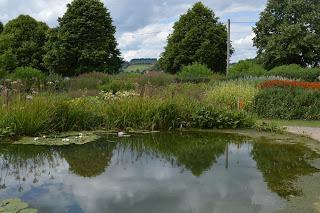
(285, 83)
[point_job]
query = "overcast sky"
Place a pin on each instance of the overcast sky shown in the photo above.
(143, 25)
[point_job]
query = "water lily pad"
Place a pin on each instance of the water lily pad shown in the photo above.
(28, 211)
(60, 139)
(15, 205)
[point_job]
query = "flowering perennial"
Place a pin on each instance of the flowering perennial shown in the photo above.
(286, 83)
(109, 96)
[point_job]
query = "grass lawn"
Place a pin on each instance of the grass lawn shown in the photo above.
(295, 123)
(140, 67)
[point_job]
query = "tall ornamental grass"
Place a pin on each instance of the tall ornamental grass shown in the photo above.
(231, 95)
(53, 113)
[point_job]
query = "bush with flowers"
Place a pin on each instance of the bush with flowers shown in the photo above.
(287, 83)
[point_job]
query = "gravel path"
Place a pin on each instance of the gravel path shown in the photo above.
(312, 132)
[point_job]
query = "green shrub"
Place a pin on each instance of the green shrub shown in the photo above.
(288, 103)
(249, 68)
(209, 117)
(29, 76)
(3, 74)
(116, 85)
(294, 71)
(195, 73)
(246, 68)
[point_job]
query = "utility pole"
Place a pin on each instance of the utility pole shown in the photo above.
(227, 157)
(228, 47)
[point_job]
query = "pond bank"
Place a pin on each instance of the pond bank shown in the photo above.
(311, 132)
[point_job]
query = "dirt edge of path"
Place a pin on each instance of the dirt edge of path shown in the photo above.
(311, 132)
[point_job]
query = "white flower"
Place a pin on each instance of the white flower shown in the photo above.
(121, 134)
(66, 140)
(35, 139)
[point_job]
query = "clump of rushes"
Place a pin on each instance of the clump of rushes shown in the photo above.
(58, 113)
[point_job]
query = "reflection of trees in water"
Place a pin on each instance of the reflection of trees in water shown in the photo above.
(26, 164)
(88, 160)
(282, 164)
(196, 152)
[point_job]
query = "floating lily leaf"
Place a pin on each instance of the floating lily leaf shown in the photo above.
(28, 211)
(77, 138)
(15, 205)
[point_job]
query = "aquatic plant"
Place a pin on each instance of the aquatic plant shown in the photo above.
(77, 138)
(16, 206)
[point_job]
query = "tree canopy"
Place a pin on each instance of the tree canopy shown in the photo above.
(22, 43)
(197, 37)
(84, 41)
(288, 32)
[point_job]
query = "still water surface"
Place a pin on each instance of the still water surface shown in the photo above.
(167, 172)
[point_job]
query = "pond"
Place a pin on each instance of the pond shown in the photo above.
(164, 172)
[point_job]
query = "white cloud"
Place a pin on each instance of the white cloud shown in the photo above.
(145, 42)
(241, 8)
(244, 48)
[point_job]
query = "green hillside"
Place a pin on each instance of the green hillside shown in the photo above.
(138, 67)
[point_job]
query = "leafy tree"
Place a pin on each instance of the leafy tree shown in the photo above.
(8, 61)
(22, 42)
(245, 68)
(197, 37)
(288, 32)
(84, 41)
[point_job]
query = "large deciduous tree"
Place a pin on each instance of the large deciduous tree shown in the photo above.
(22, 43)
(197, 37)
(84, 41)
(288, 32)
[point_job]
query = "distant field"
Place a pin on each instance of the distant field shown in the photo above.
(140, 67)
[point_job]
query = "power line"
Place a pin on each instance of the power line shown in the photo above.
(150, 33)
(169, 31)
(243, 22)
